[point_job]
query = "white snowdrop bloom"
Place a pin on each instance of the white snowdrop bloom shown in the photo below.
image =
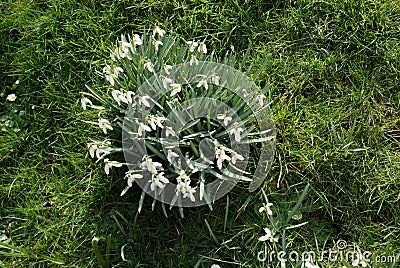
(125, 46)
(268, 236)
(167, 68)
(215, 79)
(166, 81)
(85, 102)
(102, 152)
(236, 157)
(236, 131)
(203, 82)
(169, 131)
(194, 60)
(184, 187)
(159, 31)
(176, 88)
(111, 73)
(137, 40)
(157, 43)
(150, 165)
(158, 180)
(192, 45)
(11, 97)
(202, 48)
(149, 66)
(142, 128)
(92, 149)
(155, 121)
(109, 164)
(266, 207)
(143, 100)
(225, 118)
(104, 124)
(221, 156)
(119, 96)
(171, 154)
(132, 177)
(260, 98)
(129, 95)
(16, 82)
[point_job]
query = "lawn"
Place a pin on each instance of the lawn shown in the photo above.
(334, 74)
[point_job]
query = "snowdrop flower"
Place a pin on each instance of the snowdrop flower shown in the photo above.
(112, 73)
(142, 128)
(92, 149)
(149, 66)
(119, 96)
(16, 82)
(226, 119)
(184, 187)
(143, 101)
(203, 82)
(157, 43)
(101, 152)
(129, 95)
(158, 31)
(171, 154)
(158, 180)
(109, 164)
(155, 121)
(221, 156)
(11, 97)
(359, 261)
(202, 48)
(104, 124)
(260, 99)
(169, 131)
(166, 81)
(194, 60)
(236, 157)
(215, 266)
(192, 45)
(176, 88)
(131, 178)
(215, 79)
(268, 236)
(267, 208)
(150, 165)
(236, 131)
(125, 46)
(137, 40)
(167, 68)
(84, 102)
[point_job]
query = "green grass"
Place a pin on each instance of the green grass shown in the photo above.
(335, 93)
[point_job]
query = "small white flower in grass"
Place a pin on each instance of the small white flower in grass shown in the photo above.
(142, 128)
(226, 119)
(359, 261)
(169, 131)
(131, 179)
(166, 81)
(129, 95)
(176, 88)
(150, 165)
(125, 46)
(266, 207)
(155, 121)
(215, 79)
(194, 60)
(144, 101)
(184, 187)
(203, 82)
(104, 124)
(85, 102)
(192, 45)
(158, 180)
(17, 82)
(268, 236)
(236, 157)
(11, 97)
(109, 164)
(101, 152)
(119, 96)
(159, 31)
(202, 48)
(215, 266)
(157, 43)
(92, 149)
(111, 73)
(236, 131)
(171, 154)
(149, 66)
(221, 156)
(260, 98)
(167, 68)
(137, 40)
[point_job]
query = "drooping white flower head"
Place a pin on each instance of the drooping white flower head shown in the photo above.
(225, 118)
(235, 156)
(85, 101)
(202, 48)
(109, 164)
(269, 236)
(158, 180)
(131, 177)
(155, 121)
(266, 207)
(194, 60)
(137, 40)
(142, 128)
(171, 155)
(159, 31)
(149, 66)
(150, 165)
(157, 43)
(104, 124)
(169, 131)
(143, 100)
(203, 82)
(215, 79)
(192, 45)
(119, 96)
(260, 98)
(220, 155)
(166, 81)
(167, 68)
(176, 88)
(236, 131)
